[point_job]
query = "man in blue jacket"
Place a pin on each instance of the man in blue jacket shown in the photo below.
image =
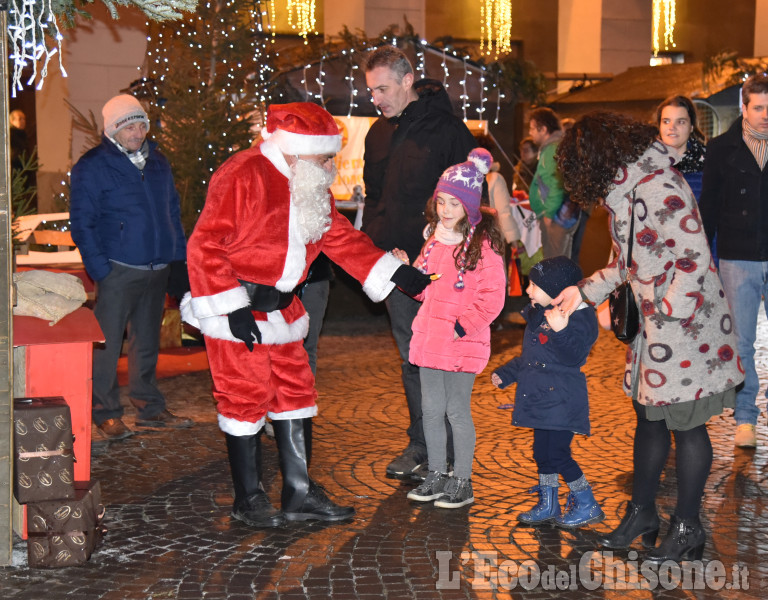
(126, 223)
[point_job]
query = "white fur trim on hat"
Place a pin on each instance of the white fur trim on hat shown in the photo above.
(295, 144)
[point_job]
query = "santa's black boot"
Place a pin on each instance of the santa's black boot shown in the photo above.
(302, 499)
(252, 505)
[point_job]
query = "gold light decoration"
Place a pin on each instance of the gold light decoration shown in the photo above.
(663, 10)
(301, 16)
(495, 27)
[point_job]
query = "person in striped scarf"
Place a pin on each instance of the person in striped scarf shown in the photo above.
(733, 204)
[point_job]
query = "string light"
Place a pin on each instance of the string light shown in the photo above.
(320, 82)
(301, 17)
(445, 71)
(420, 56)
(28, 24)
(667, 7)
(499, 96)
(464, 96)
(351, 79)
(495, 27)
(483, 89)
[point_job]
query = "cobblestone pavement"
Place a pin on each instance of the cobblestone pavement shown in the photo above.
(169, 496)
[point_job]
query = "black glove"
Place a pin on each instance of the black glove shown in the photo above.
(410, 280)
(178, 279)
(243, 326)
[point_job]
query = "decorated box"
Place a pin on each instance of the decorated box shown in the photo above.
(65, 532)
(43, 457)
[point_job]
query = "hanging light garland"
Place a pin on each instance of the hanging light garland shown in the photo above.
(495, 27)
(301, 17)
(663, 9)
(30, 22)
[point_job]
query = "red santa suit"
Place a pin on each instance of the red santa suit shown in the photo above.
(249, 230)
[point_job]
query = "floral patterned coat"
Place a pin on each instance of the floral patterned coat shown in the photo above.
(685, 349)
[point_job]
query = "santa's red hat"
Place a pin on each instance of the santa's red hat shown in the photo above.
(302, 128)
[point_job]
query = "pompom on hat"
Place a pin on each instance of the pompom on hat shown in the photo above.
(302, 128)
(121, 111)
(555, 274)
(465, 182)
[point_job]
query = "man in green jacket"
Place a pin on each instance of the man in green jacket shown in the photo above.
(547, 193)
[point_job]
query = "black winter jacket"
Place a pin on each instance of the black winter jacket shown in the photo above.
(734, 198)
(404, 158)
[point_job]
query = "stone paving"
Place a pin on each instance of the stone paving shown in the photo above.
(168, 497)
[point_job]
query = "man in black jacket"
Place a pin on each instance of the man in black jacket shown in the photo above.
(734, 207)
(406, 150)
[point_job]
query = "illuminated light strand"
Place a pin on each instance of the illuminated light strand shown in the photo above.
(499, 96)
(464, 96)
(664, 12)
(301, 17)
(28, 21)
(481, 109)
(420, 56)
(495, 27)
(445, 72)
(320, 83)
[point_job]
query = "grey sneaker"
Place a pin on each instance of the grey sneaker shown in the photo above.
(431, 489)
(457, 493)
(421, 472)
(405, 464)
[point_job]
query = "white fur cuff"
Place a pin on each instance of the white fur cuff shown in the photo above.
(240, 428)
(378, 285)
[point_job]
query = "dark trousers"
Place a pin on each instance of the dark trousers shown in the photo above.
(402, 311)
(552, 453)
(129, 301)
(314, 297)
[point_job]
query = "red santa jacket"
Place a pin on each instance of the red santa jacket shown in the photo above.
(248, 230)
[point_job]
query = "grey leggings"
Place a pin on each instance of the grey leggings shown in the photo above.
(445, 393)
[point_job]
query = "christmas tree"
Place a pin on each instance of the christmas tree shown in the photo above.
(206, 79)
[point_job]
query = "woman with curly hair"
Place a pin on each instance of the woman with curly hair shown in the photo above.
(681, 368)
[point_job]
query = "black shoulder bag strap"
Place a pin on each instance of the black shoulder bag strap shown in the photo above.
(630, 243)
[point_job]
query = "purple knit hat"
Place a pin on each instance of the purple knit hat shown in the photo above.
(465, 182)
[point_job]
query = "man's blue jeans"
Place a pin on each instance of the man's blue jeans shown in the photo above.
(746, 286)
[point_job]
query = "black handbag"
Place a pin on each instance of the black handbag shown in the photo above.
(625, 318)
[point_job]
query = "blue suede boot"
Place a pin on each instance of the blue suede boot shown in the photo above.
(548, 507)
(581, 509)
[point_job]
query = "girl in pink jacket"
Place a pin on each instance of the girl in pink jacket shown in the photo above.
(451, 340)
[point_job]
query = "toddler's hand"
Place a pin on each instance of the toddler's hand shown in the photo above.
(556, 318)
(401, 255)
(495, 380)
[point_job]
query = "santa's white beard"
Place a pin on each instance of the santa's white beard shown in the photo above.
(310, 185)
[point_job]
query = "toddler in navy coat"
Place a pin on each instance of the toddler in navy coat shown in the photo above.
(551, 396)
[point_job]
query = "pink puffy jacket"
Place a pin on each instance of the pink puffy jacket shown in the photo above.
(475, 307)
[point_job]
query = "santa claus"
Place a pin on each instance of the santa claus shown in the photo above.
(267, 215)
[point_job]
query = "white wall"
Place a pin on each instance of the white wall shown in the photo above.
(626, 35)
(101, 57)
(761, 28)
(579, 25)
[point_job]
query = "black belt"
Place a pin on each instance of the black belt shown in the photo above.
(266, 298)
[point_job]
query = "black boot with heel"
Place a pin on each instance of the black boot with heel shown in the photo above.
(302, 499)
(684, 541)
(252, 505)
(637, 521)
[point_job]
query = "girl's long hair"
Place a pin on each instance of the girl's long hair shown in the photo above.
(488, 227)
